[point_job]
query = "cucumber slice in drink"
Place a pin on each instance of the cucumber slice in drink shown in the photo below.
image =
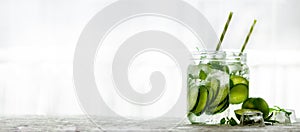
(201, 100)
(220, 103)
(221, 95)
(238, 94)
(213, 87)
(193, 96)
(234, 80)
(211, 95)
(219, 108)
(223, 106)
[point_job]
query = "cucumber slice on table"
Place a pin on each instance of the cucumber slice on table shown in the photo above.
(238, 94)
(234, 80)
(201, 100)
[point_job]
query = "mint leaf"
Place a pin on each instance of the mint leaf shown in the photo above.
(223, 120)
(269, 117)
(232, 122)
(228, 121)
(283, 110)
(191, 76)
(202, 75)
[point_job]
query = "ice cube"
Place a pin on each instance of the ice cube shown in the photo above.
(281, 117)
(194, 71)
(222, 76)
(235, 67)
(196, 83)
(250, 118)
(292, 116)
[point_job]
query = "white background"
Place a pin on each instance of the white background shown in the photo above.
(38, 38)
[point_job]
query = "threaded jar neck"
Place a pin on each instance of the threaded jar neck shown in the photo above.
(209, 55)
(232, 57)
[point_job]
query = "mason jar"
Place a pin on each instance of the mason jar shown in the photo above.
(208, 88)
(239, 79)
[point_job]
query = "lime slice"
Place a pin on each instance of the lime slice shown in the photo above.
(238, 94)
(239, 112)
(257, 104)
(234, 80)
(201, 100)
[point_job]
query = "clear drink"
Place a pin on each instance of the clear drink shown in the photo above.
(239, 79)
(208, 88)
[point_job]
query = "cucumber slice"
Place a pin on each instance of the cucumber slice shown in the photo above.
(234, 80)
(193, 96)
(221, 95)
(201, 100)
(211, 95)
(214, 85)
(219, 108)
(223, 108)
(225, 105)
(238, 94)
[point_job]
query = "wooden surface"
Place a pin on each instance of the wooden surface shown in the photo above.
(82, 123)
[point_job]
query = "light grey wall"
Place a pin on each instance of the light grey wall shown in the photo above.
(38, 37)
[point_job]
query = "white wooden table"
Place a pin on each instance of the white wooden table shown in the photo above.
(82, 123)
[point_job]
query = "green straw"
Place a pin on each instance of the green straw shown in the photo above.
(248, 36)
(224, 31)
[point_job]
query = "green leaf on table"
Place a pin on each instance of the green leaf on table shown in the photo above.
(269, 117)
(228, 121)
(232, 122)
(223, 121)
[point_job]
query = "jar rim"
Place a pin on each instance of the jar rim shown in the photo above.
(229, 55)
(208, 54)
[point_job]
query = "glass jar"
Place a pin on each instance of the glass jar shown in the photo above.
(239, 79)
(208, 88)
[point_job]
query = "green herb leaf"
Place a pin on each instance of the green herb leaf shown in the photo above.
(283, 110)
(232, 122)
(202, 75)
(223, 120)
(191, 76)
(269, 117)
(276, 109)
(272, 109)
